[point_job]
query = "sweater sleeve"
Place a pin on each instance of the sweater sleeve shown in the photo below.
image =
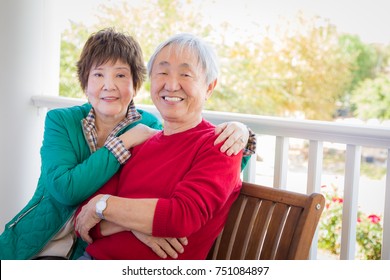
(204, 190)
(70, 172)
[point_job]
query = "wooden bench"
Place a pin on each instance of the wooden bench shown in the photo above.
(267, 223)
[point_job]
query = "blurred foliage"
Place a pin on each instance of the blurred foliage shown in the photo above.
(369, 228)
(371, 98)
(302, 67)
(364, 58)
(299, 71)
(72, 42)
(368, 94)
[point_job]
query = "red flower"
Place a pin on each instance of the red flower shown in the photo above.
(374, 218)
(337, 199)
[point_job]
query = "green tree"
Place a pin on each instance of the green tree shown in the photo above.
(370, 91)
(364, 65)
(371, 98)
(363, 57)
(72, 41)
(152, 21)
(300, 69)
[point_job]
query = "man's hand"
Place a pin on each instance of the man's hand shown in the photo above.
(163, 246)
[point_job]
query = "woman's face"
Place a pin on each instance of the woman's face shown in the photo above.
(178, 86)
(110, 89)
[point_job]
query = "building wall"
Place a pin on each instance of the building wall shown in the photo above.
(29, 55)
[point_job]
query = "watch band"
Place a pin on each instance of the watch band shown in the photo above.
(101, 206)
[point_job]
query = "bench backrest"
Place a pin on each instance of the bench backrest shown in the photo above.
(267, 223)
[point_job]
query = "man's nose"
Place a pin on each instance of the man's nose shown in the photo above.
(172, 84)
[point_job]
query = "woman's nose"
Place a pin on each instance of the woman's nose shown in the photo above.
(108, 84)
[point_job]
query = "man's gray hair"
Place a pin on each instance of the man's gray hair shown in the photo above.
(206, 55)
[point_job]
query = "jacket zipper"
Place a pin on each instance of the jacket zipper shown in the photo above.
(25, 213)
(55, 233)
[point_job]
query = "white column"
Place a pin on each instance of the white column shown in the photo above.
(29, 59)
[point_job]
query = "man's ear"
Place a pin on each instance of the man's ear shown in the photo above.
(211, 88)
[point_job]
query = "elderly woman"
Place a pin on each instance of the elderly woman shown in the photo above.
(84, 146)
(177, 183)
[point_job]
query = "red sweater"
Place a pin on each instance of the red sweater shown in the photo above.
(196, 184)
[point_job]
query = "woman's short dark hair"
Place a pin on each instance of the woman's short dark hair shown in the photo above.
(109, 45)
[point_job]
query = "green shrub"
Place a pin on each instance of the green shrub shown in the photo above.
(368, 230)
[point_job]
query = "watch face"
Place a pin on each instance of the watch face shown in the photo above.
(100, 206)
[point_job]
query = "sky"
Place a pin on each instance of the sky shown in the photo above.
(369, 19)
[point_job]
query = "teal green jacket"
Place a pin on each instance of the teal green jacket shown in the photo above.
(69, 175)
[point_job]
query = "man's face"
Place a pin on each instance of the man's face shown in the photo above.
(178, 85)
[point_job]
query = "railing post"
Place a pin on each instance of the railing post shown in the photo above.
(386, 215)
(249, 173)
(281, 162)
(314, 181)
(314, 166)
(350, 205)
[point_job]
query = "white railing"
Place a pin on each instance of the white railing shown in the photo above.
(316, 132)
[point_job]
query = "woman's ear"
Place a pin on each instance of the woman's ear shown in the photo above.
(86, 94)
(135, 92)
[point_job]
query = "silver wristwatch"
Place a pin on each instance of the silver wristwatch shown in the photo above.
(101, 205)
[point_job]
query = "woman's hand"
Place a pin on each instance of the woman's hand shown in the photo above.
(137, 135)
(235, 135)
(163, 246)
(87, 219)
